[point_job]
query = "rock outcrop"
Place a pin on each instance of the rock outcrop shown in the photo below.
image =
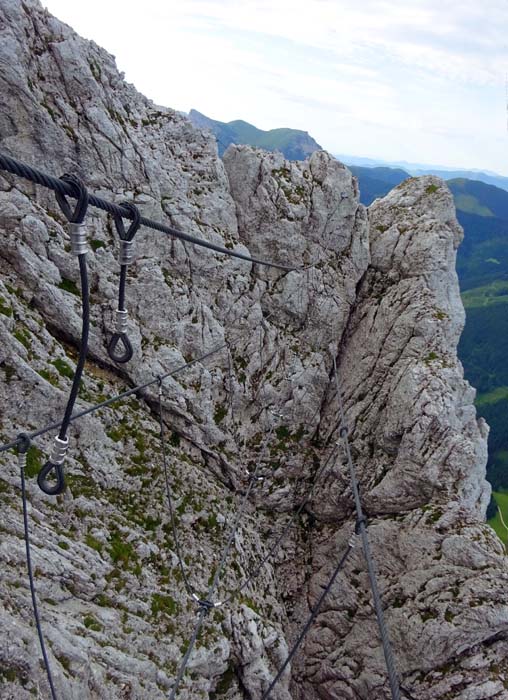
(377, 292)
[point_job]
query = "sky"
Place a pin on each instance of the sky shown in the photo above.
(414, 80)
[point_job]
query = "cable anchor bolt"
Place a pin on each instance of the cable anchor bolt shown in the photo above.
(78, 239)
(121, 319)
(126, 252)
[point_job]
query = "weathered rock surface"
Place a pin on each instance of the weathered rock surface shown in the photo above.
(379, 295)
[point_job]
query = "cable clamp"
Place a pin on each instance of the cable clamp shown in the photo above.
(59, 451)
(205, 604)
(22, 460)
(78, 239)
(343, 431)
(24, 443)
(122, 316)
(126, 252)
(359, 522)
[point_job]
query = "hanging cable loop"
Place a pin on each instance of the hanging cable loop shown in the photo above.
(76, 216)
(120, 337)
(54, 464)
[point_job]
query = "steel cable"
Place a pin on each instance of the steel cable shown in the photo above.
(310, 620)
(16, 167)
(362, 531)
(75, 217)
(188, 586)
(206, 604)
(126, 238)
(114, 399)
(23, 445)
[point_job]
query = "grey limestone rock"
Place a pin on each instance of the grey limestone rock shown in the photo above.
(376, 291)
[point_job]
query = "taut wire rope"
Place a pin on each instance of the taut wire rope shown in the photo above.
(188, 586)
(16, 167)
(361, 527)
(114, 399)
(23, 445)
(310, 620)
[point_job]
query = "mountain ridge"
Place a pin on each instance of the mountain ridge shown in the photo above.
(293, 143)
(416, 169)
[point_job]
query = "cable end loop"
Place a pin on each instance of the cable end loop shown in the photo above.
(205, 604)
(120, 338)
(54, 464)
(115, 353)
(47, 487)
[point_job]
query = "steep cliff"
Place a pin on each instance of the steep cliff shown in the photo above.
(377, 292)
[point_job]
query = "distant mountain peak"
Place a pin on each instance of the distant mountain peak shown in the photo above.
(293, 143)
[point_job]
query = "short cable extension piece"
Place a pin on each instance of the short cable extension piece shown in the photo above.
(23, 446)
(78, 248)
(126, 258)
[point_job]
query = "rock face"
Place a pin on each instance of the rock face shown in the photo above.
(377, 292)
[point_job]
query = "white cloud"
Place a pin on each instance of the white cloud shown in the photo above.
(425, 76)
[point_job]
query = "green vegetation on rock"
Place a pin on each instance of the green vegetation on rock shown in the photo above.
(501, 501)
